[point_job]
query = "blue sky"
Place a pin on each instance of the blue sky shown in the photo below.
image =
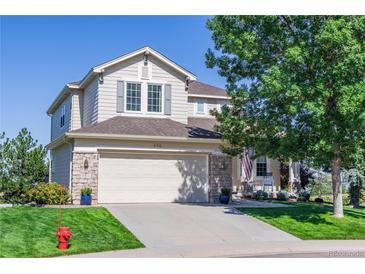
(39, 54)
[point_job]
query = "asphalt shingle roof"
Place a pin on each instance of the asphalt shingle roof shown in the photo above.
(123, 125)
(199, 88)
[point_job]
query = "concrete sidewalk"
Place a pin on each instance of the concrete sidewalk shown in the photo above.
(303, 249)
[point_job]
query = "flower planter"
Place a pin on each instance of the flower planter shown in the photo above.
(86, 199)
(224, 199)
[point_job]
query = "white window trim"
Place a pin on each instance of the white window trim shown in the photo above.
(205, 107)
(125, 97)
(162, 98)
(63, 115)
(267, 168)
(144, 96)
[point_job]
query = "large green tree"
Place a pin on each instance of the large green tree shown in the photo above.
(23, 163)
(297, 85)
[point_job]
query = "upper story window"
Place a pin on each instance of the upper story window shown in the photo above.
(154, 98)
(133, 97)
(261, 166)
(200, 107)
(62, 118)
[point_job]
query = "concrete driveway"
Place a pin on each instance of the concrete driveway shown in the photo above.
(168, 225)
(183, 230)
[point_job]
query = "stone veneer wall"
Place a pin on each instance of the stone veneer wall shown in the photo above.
(82, 177)
(220, 175)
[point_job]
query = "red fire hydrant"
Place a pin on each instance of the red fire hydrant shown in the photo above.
(63, 234)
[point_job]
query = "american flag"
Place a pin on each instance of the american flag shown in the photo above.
(246, 166)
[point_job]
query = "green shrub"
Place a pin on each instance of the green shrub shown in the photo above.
(282, 195)
(345, 199)
(225, 191)
(261, 195)
(86, 191)
(304, 196)
(355, 180)
(329, 199)
(318, 200)
(322, 186)
(23, 163)
(48, 194)
(14, 192)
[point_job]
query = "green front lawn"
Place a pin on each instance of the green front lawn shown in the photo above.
(31, 232)
(309, 221)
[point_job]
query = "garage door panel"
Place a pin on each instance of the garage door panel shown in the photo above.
(133, 178)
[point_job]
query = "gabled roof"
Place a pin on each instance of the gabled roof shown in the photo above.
(196, 88)
(146, 126)
(151, 51)
(101, 67)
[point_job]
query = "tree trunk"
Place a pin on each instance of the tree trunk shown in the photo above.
(336, 187)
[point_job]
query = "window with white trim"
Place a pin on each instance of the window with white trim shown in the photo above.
(261, 166)
(200, 107)
(62, 118)
(154, 98)
(133, 98)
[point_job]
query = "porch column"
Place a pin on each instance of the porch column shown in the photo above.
(291, 176)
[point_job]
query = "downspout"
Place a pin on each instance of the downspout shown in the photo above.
(70, 172)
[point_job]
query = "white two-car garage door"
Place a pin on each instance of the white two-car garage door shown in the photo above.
(149, 177)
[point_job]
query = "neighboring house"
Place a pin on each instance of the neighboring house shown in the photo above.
(138, 129)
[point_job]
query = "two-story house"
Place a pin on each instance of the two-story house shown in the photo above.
(138, 129)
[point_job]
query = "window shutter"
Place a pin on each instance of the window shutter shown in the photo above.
(168, 99)
(120, 96)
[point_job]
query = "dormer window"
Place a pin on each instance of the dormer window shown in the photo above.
(62, 118)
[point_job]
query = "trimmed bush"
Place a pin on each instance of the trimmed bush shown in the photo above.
(318, 200)
(304, 196)
(261, 195)
(345, 199)
(48, 194)
(282, 195)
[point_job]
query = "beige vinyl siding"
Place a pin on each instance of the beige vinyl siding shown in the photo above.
(129, 71)
(90, 103)
(56, 129)
(77, 110)
(210, 105)
(61, 162)
(191, 107)
(274, 167)
(92, 146)
(179, 96)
